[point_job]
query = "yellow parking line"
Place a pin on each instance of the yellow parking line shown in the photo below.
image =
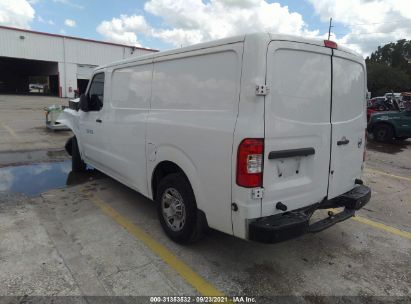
(387, 174)
(381, 226)
(377, 225)
(10, 130)
(191, 277)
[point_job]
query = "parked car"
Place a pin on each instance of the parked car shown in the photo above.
(386, 126)
(379, 104)
(52, 114)
(392, 95)
(406, 96)
(370, 111)
(405, 100)
(234, 134)
(37, 88)
(371, 102)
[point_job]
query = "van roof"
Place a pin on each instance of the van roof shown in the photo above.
(263, 37)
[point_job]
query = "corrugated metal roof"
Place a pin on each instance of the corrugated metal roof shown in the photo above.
(75, 38)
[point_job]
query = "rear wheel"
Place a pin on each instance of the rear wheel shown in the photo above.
(383, 133)
(177, 209)
(77, 164)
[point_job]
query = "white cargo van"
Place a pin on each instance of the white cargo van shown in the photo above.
(247, 135)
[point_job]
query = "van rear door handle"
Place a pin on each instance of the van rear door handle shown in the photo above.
(291, 153)
(343, 141)
(99, 120)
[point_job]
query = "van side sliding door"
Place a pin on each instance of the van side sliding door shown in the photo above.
(194, 108)
(125, 124)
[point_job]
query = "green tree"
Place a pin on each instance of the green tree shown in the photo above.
(389, 68)
(383, 78)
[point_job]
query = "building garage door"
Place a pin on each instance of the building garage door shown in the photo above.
(22, 76)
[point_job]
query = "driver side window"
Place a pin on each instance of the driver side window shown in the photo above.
(96, 92)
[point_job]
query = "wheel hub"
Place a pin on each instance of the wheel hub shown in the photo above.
(381, 133)
(173, 209)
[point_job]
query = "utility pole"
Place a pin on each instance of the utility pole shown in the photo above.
(329, 29)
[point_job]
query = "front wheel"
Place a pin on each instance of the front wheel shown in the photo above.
(77, 164)
(177, 209)
(383, 133)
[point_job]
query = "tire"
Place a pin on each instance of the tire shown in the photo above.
(77, 164)
(177, 209)
(383, 133)
(68, 146)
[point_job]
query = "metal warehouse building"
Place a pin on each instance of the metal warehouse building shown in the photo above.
(42, 63)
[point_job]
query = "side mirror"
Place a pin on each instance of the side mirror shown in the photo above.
(84, 103)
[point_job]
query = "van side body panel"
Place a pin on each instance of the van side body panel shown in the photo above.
(250, 124)
(125, 122)
(194, 108)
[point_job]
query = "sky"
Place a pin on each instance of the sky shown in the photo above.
(361, 25)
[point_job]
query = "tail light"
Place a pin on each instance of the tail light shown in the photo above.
(250, 163)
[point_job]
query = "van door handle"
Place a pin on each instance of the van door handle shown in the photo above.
(291, 153)
(343, 141)
(99, 120)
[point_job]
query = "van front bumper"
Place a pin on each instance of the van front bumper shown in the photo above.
(288, 225)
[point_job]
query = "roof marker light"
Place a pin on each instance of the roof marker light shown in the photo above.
(330, 44)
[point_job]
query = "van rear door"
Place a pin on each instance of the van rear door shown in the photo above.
(297, 125)
(348, 119)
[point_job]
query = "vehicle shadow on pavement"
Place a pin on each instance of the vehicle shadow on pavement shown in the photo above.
(346, 254)
(393, 147)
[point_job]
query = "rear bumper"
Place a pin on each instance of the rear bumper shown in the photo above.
(288, 225)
